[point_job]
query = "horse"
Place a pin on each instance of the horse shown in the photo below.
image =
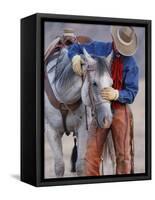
(68, 88)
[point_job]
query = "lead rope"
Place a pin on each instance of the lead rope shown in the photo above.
(85, 107)
(90, 93)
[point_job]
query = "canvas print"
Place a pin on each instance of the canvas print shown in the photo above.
(94, 100)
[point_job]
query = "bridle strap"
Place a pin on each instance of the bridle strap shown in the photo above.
(85, 107)
(90, 68)
(90, 92)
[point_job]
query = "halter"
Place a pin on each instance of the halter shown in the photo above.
(90, 68)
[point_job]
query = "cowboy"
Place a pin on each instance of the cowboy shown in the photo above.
(124, 72)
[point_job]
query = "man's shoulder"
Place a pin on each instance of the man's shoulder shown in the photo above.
(104, 48)
(101, 43)
(129, 59)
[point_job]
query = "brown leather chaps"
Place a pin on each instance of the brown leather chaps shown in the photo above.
(122, 134)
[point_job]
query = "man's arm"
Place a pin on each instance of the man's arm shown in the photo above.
(73, 50)
(130, 85)
(94, 48)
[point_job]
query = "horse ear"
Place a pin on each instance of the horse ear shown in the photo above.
(108, 58)
(88, 57)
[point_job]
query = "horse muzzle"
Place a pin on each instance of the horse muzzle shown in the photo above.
(103, 116)
(107, 122)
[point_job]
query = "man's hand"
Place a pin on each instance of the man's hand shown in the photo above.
(77, 65)
(109, 94)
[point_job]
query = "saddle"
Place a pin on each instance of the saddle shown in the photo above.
(64, 109)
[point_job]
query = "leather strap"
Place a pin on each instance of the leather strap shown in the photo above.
(53, 100)
(64, 109)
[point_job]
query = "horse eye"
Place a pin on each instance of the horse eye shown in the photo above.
(94, 84)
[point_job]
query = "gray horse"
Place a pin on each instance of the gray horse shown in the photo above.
(69, 88)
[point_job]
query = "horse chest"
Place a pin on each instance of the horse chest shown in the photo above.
(54, 117)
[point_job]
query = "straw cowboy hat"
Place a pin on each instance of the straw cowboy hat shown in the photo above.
(125, 39)
(69, 32)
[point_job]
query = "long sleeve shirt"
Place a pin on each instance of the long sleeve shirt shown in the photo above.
(130, 69)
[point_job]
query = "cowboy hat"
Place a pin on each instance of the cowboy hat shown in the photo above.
(69, 32)
(125, 39)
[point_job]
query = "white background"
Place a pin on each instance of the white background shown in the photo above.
(10, 14)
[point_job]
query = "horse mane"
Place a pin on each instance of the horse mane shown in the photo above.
(102, 65)
(63, 70)
(65, 74)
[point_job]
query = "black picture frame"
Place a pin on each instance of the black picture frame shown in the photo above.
(32, 99)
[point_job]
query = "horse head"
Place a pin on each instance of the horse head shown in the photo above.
(97, 77)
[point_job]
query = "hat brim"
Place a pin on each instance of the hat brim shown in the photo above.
(126, 50)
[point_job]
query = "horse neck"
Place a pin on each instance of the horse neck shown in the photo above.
(70, 91)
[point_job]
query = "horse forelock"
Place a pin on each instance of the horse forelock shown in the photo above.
(102, 65)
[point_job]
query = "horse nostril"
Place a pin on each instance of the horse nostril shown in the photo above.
(94, 84)
(106, 123)
(92, 114)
